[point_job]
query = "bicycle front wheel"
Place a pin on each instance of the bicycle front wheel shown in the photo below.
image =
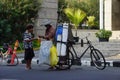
(98, 59)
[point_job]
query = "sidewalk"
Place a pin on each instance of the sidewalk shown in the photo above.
(113, 61)
(115, 57)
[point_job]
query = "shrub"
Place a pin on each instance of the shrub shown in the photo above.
(103, 33)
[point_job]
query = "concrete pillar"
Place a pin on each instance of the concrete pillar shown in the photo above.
(48, 11)
(108, 14)
(101, 14)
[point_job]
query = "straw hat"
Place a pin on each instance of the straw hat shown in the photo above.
(46, 22)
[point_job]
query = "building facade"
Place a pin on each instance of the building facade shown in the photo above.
(112, 17)
(110, 14)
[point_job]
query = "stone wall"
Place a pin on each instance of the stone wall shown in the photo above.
(48, 11)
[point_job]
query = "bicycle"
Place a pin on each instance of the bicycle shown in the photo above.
(9, 57)
(71, 57)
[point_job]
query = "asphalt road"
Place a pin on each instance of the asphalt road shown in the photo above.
(42, 73)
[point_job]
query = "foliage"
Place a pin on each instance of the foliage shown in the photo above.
(103, 33)
(61, 6)
(36, 46)
(72, 3)
(14, 15)
(91, 21)
(36, 43)
(90, 7)
(75, 15)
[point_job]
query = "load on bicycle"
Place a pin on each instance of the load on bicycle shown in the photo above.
(66, 53)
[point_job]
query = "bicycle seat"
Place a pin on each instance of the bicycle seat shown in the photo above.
(71, 41)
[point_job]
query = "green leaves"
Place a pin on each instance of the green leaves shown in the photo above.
(14, 15)
(90, 7)
(103, 33)
(75, 15)
(91, 21)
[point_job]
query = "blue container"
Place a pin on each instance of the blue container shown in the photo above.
(59, 31)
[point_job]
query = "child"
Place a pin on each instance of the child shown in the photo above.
(28, 46)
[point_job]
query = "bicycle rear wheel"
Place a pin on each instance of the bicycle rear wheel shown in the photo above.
(3, 59)
(15, 61)
(98, 59)
(67, 62)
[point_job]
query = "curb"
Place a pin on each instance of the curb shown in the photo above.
(116, 64)
(83, 62)
(22, 61)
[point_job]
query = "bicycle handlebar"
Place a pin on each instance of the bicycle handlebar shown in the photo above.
(86, 37)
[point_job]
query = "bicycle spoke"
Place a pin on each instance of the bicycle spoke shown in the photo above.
(98, 59)
(66, 64)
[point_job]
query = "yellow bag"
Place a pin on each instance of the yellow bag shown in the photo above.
(53, 56)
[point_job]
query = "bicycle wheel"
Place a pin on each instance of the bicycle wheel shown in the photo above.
(98, 59)
(67, 62)
(1, 59)
(14, 62)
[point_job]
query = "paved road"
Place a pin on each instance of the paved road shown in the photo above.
(41, 73)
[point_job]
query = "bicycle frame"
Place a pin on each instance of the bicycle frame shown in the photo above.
(4, 55)
(83, 53)
(97, 58)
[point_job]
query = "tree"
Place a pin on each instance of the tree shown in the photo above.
(15, 14)
(61, 6)
(90, 7)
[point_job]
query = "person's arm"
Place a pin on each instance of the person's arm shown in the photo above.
(41, 36)
(49, 36)
(44, 37)
(29, 40)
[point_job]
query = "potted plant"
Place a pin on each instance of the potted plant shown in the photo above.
(103, 35)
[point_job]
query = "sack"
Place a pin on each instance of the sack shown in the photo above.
(53, 56)
(45, 52)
